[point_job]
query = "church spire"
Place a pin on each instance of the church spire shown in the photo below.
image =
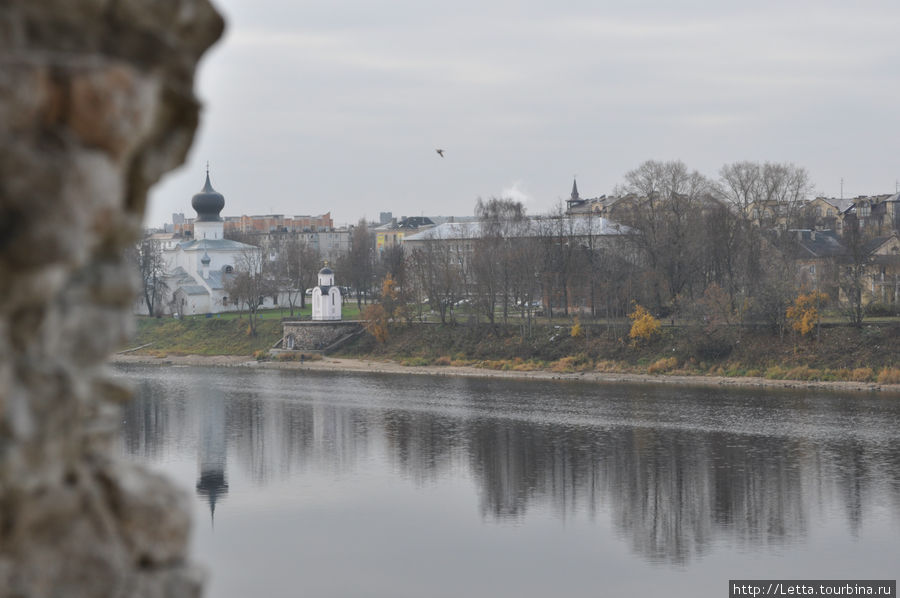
(575, 190)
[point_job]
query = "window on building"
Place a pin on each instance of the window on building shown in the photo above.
(261, 300)
(224, 300)
(864, 210)
(274, 299)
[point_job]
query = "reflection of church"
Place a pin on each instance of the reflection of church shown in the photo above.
(212, 484)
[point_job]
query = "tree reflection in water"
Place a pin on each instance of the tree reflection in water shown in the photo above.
(672, 483)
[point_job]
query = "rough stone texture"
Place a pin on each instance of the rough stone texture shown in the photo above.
(317, 336)
(96, 103)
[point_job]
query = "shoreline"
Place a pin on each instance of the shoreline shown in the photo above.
(341, 364)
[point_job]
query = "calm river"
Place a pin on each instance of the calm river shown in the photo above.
(323, 484)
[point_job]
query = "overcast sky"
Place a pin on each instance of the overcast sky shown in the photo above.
(319, 106)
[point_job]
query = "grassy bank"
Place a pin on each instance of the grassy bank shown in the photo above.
(204, 336)
(840, 353)
(221, 334)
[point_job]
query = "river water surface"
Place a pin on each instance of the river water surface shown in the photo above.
(327, 484)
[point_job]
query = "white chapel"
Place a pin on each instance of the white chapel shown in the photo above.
(326, 297)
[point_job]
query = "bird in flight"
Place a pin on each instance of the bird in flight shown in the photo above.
(440, 152)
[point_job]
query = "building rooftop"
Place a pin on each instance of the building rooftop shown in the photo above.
(819, 243)
(194, 289)
(533, 227)
(214, 245)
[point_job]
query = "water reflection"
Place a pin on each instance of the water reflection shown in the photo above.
(212, 452)
(674, 474)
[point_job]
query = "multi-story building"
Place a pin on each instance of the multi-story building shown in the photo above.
(393, 233)
(261, 224)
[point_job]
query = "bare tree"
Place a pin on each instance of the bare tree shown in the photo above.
(852, 271)
(359, 263)
(294, 268)
(770, 194)
(777, 287)
(740, 185)
(393, 263)
(438, 270)
(147, 256)
(251, 283)
(524, 261)
(765, 197)
(788, 187)
(310, 261)
(665, 216)
(501, 221)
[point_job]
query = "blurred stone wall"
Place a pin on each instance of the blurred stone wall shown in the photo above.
(96, 103)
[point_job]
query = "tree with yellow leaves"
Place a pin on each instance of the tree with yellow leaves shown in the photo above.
(390, 307)
(391, 298)
(576, 331)
(376, 322)
(803, 315)
(644, 326)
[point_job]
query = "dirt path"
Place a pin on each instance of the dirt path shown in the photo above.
(339, 364)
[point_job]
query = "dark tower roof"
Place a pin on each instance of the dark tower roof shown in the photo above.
(326, 270)
(212, 485)
(208, 203)
(575, 190)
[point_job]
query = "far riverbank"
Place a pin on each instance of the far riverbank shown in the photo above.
(343, 364)
(834, 357)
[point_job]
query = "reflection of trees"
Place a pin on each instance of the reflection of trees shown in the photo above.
(671, 491)
(517, 464)
(422, 446)
(145, 423)
(659, 489)
(275, 439)
(150, 425)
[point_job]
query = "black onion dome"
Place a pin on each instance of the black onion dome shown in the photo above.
(326, 270)
(208, 203)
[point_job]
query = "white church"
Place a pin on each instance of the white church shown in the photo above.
(196, 269)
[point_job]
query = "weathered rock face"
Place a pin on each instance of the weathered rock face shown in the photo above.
(96, 103)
